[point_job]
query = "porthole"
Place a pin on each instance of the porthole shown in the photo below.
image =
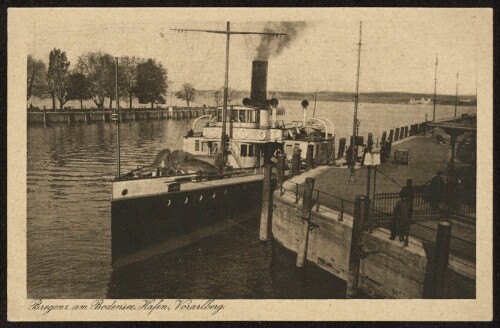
(201, 197)
(124, 192)
(225, 192)
(186, 200)
(169, 202)
(213, 195)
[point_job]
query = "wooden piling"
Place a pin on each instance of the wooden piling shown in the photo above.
(356, 243)
(396, 134)
(305, 216)
(44, 117)
(402, 133)
(384, 138)
(296, 162)
(441, 257)
(267, 205)
(406, 132)
(309, 157)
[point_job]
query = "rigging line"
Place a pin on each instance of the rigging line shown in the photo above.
(268, 42)
(196, 79)
(202, 66)
(388, 177)
(246, 41)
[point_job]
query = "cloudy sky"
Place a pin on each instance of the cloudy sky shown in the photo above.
(398, 52)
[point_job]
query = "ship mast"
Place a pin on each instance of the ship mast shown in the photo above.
(435, 88)
(456, 96)
(227, 32)
(356, 101)
(118, 118)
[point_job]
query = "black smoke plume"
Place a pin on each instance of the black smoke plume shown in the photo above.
(272, 46)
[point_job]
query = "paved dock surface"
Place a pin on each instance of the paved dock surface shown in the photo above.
(425, 159)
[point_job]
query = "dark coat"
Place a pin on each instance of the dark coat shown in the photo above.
(401, 218)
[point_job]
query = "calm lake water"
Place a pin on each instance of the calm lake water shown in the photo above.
(70, 169)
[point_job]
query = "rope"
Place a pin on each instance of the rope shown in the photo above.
(388, 177)
(196, 78)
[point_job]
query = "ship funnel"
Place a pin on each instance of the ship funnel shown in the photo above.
(258, 93)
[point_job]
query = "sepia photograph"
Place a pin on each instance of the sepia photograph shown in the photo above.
(186, 164)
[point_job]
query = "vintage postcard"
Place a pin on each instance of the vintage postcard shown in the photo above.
(186, 164)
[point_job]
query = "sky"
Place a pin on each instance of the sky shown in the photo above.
(398, 50)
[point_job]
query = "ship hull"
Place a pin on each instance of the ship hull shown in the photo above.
(141, 222)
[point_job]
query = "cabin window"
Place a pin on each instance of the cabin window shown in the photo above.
(242, 115)
(255, 116)
(250, 150)
(197, 145)
(219, 115)
(233, 115)
(288, 150)
(243, 151)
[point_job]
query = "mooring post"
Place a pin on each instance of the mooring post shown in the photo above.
(44, 117)
(281, 168)
(305, 216)
(356, 242)
(296, 162)
(267, 204)
(441, 256)
(309, 157)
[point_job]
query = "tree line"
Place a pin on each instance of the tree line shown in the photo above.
(95, 76)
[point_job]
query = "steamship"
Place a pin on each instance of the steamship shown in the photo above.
(218, 173)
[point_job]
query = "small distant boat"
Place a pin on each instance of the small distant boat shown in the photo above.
(421, 101)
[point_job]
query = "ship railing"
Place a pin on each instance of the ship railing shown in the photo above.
(145, 172)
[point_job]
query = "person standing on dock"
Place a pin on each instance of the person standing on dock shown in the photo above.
(408, 192)
(401, 220)
(436, 188)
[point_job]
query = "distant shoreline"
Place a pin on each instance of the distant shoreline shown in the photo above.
(206, 96)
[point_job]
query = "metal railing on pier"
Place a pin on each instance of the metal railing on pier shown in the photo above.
(380, 215)
(320, 198)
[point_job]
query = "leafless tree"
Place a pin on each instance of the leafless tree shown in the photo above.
(36, 78)
(57, 77)
(187, 93)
